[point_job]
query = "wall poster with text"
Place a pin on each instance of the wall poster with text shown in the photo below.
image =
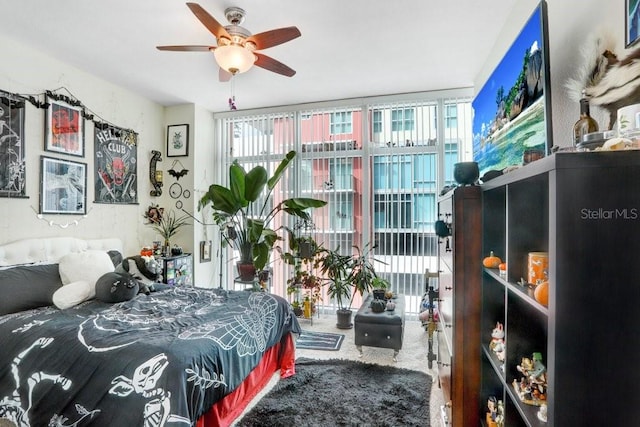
(12, 163)
(115, 165)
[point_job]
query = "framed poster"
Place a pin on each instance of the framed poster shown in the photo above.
(115, 165)
(12, 163)
(205, 251)
(64, 128)
(64, 185)
(632, 22)
(177, 140)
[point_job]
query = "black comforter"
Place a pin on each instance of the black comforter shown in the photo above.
(156, 360)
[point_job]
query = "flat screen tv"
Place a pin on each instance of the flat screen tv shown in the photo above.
(512, 111)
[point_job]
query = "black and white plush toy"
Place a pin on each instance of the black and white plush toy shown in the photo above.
(146, 270)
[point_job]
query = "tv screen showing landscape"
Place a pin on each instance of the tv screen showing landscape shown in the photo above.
(512, 110)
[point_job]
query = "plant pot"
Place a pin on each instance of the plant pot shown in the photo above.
(246, 271)
(297, 311)
(306, 250)
(379, 294)
(344, 319)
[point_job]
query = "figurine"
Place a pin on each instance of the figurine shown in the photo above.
(497, 341)
(492, 405)
(532, 387)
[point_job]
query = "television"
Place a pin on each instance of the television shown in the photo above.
(512, 111)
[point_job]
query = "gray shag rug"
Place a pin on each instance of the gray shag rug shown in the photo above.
(339, 392)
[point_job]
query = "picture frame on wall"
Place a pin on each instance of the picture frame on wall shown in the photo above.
(632, 22)
(205, 251)
(12, 147)
(64, 128)
(63, 186)
(178, 140)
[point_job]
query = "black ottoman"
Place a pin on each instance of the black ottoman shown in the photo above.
(384, 330)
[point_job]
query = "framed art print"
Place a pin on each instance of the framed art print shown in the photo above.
(632, 22)
(205, 251)
(64, 128)
(63, 186)
(12, 159)
(115, 165)
(177, 140)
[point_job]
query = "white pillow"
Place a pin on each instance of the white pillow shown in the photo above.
(73, 294)
(88, 266)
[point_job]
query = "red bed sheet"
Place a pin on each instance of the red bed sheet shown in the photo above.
(280, 356)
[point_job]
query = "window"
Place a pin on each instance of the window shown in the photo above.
(341, 122)
(377, 121)
(451, 116)
(403, 119)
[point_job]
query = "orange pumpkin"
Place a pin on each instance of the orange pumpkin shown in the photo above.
(491, 261)
(541, 293)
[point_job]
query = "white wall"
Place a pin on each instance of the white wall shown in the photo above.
(26, 71)
(570, 23)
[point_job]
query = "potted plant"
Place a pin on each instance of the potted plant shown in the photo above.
(242, 211)
(337, 267)
(304, 256)
(348, 275)
(167, 224)
(379, 287)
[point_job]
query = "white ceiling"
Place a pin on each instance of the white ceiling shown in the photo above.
(348, 48)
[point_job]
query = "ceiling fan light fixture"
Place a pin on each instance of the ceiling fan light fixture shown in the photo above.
(234, 59)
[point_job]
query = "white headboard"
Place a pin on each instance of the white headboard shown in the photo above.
(50, 250)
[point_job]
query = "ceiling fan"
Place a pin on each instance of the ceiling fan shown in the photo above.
(236, 48)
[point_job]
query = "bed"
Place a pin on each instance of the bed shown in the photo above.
(178, 356)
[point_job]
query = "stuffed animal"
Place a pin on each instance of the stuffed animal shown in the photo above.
(146, 270)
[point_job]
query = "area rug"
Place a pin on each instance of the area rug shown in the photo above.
(338, 392)
(319, 341)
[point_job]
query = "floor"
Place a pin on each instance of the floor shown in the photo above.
(412, 356)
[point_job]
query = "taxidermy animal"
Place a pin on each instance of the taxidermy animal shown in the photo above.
(605, 80)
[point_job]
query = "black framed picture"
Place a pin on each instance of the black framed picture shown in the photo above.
(632, 22)
(12, 161)
(63, 186)
(205, 251)
(178, 140)
(115, 165)
(64, 128)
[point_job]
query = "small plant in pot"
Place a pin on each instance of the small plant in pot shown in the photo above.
(244, 214)
(379, 287)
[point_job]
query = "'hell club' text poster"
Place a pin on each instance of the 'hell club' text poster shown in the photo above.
(116, 155)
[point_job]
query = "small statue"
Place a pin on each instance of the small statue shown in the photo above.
(497, 341)
(532, 387)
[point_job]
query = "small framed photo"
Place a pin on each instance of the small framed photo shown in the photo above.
(64, 128)
(177, 140)
(632, 22)
(64, 185)
(205, 251)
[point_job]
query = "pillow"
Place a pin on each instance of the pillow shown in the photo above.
(88, 266)
(116, 287)
(73, 294)
(27, 287)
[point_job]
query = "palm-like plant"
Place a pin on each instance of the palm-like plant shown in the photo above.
(245, 217)
(167, 224)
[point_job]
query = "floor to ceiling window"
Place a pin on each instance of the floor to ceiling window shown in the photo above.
(379, 165)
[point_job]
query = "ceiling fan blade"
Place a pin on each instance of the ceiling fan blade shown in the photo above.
(272, 38)
(224, 75)
(209, 21)
(187, 48)
(271, 64)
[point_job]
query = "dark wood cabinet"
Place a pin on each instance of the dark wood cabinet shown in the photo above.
(583, 209)
(459, 288)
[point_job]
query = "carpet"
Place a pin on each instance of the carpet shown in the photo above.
(339, 392)
(319, 341)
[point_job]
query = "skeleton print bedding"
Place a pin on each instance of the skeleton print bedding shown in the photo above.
(156, 360)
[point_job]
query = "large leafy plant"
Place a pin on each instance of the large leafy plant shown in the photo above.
(242, 209)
